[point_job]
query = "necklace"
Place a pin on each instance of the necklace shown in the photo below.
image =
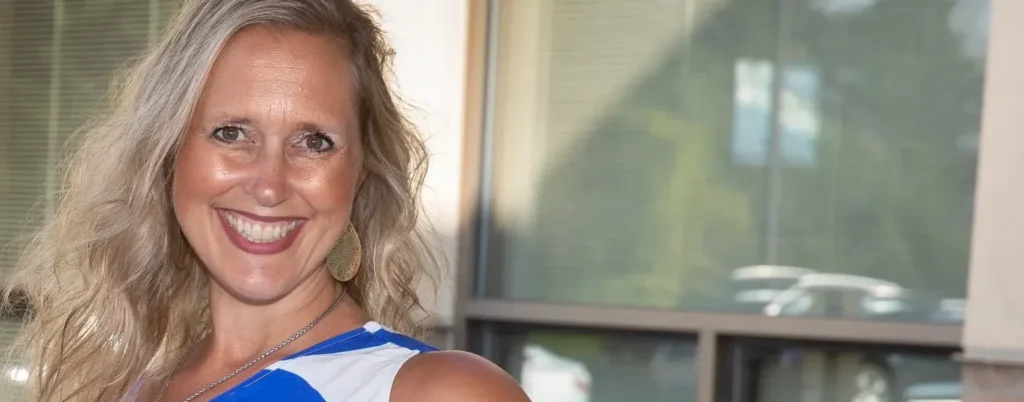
(163, 389)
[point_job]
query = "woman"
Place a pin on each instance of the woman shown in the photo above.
(242, 226)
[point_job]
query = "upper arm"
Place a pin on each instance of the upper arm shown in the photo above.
(454, 377)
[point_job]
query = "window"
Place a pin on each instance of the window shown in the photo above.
(765, 371)
(56, 61)
(782, 158)
(559, 365)
(786, 184)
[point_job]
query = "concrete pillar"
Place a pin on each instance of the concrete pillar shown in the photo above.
(994, 328)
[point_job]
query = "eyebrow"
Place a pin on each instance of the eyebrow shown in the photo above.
(306, 126)
(237, 121)
(303, 126)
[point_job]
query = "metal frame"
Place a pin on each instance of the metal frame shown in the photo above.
(709, 328)
(714, 324)
(474, 125)
(707, 365)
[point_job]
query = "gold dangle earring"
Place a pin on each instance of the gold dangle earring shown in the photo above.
(345, 258)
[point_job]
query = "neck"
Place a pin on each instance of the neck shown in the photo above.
(241, 330)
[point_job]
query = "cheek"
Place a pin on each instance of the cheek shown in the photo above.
(198, 175)
(330, 189)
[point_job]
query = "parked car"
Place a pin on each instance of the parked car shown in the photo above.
(777, 371)
(755, 286)
(547, 377)
(843, 296)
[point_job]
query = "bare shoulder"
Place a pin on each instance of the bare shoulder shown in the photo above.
(454, 377)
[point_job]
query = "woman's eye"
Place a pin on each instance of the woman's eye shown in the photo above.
(229, 134)
(318, 142)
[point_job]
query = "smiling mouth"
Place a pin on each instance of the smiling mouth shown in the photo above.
(259, 232)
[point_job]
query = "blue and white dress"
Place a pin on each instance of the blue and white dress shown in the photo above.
(356, 366)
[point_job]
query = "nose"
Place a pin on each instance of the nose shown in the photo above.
(268, 181)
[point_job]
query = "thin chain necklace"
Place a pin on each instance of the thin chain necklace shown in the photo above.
(163, 389)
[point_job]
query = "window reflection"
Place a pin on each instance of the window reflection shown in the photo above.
(777, 372)
(548, 377)
(798, 115)
(647, 167)
(555, 365)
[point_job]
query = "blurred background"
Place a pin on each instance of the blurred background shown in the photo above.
(673, 200)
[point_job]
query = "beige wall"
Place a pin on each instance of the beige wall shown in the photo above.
(429, 38)
(994, 331)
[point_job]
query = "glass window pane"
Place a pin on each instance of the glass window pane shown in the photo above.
(57, 59)
(555, 365)
(786, 158)
(774, 372)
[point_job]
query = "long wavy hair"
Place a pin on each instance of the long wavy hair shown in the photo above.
(115, 289)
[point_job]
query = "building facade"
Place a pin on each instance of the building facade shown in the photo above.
(679, 200)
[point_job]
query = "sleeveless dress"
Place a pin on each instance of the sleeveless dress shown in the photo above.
(356, 366)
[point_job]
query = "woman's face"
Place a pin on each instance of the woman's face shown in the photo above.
(264, 183)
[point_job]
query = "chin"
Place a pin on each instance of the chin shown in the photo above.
(253, 287)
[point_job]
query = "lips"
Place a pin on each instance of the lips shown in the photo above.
(259, 235)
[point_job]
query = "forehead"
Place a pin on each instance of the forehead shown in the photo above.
(266, 64)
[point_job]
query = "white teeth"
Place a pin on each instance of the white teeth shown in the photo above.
(257, 232)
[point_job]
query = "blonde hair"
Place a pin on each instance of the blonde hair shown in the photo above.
(115, 288)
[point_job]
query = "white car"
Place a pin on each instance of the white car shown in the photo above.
(755, 286)
(547, 377)
(874, 297)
